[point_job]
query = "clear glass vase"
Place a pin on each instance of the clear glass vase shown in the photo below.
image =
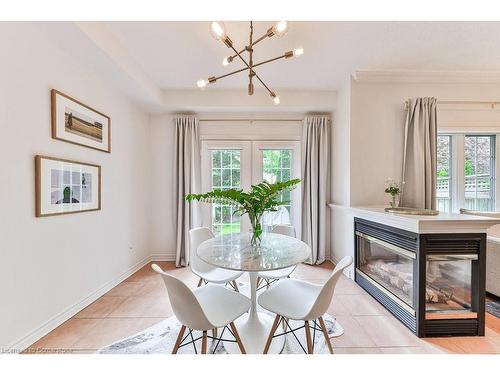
(395, 201)
(256, 236)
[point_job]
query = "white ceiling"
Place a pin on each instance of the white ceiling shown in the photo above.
(174, 55)
(157, 64)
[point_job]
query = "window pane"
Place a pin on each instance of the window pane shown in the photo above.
(216, 155)
(276, 168)
(226, 178)
(443, 188)
(479, 179)
(285, 174)
(226, 159)
(235, 177)
(470, 152)
(235, 159)
(483, 155)
(217, 214)
(216, 180)
(286, 159)
(225, 175)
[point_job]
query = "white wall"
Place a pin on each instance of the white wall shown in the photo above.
(340, 218)
(162, 128)
(375, 129)
(162, 232)
(49, 265)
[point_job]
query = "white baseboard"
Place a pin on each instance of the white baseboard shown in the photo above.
(159, 257)
(60, 318)
(348, 272)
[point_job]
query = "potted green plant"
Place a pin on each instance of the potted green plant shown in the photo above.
(394, 189)
(260, 199)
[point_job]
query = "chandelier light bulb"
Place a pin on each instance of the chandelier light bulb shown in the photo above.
(201, 83)
(280, 28)
(298, 51)
(218, 30)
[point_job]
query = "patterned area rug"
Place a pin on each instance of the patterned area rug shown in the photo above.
(493, 307)
(160, 339)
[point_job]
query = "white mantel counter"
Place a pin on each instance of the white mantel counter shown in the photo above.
(443, 223)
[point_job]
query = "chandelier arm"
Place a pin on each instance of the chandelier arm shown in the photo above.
(263, 84)
(251, 45)
(230, 74)
(255, 65)
(284, 56)
(250, 60)
(249, 67)
(236, 54)
(259, 39)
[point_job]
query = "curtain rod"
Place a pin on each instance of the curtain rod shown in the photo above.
(492, 103)
(249, 120)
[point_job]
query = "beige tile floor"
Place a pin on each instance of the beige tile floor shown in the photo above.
(141, 301)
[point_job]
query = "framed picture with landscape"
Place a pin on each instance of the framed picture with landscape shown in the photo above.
(75, 122)
(66, 186)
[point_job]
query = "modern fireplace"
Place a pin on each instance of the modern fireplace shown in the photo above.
(433, 283)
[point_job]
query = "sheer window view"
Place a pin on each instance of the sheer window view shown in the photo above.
(479, 176)
(478, 181)
(225, 175)
(443, 190)
(277, 167)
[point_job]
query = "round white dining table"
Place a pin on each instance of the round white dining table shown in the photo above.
(234, 252)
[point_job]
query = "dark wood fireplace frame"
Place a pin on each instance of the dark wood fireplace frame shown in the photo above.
(423, 245)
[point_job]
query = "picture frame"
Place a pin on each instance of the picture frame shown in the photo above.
(66, 186)
(78, 123)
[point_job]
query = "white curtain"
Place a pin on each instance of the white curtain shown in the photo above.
(315, 170)
(187, 178)
(419, 158)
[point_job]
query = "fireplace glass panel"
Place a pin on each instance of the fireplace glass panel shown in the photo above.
(388, 265)
(448, 286)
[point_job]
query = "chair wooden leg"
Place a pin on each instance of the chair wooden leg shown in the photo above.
(325, 333)
(215, 332)
(308, 338)
(179, 339)
(271, 334)
(237, 337)
(235, 286)
(204, 343)
(200, 282)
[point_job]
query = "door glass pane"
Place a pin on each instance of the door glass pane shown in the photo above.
(443, 188)
(276, 167)
(225, 175)
(479, 176)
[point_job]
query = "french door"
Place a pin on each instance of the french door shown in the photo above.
(239, 164)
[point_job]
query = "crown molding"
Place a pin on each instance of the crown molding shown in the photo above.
(238, 100)
(413, 76)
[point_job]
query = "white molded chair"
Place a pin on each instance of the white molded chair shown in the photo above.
(300, 300)
(271, 276)
(206, 272)
(206, 308)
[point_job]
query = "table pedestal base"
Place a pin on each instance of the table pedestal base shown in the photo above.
(254, 330)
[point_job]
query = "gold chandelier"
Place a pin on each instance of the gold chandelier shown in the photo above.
(218, 31)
